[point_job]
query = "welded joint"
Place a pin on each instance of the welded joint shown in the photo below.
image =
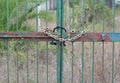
(5, 36)
(103, 36)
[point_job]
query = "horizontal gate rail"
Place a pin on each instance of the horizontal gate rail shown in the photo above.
(41, 36)
(25, 35)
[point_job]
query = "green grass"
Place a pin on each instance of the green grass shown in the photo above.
(50, 17)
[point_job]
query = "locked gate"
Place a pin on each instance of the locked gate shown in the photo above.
(82, 47)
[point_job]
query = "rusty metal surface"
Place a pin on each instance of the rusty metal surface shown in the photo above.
(41, 36)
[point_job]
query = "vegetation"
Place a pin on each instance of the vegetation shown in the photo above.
(93, 12)
(50, 17)
(41, 1)
(14, 17)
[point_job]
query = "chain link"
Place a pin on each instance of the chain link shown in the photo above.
(70, 39)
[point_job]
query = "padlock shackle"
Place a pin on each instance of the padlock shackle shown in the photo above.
(58, 28)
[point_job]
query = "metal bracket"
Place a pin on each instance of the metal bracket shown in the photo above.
(5, 36)
(103, 36)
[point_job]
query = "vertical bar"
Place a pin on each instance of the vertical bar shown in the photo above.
(60, 16)
(73, 3)
(113, 54)
(83, 16)
(61, 43)
(6, 41)
(37, 77)
(37, 57)
(103, 15)
(83, 13)
(36, 15)
(46, 13)
(47, 42)
(7, 15)
(17, 15)
(17, 42)
(72, 63)
(83, 68)
(113, 62)
(58, 12)
(8, 58)
(58, 63)
(47, 61)
(103, 18)
(17, 66)
(72, 81)
(93, 62)
(93, 45)
(27, 64)
(103, 62)
(27, 42)
(61, 62)
(26, 12)
(67, 15)
(57, 52)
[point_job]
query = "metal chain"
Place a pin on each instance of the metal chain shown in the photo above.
(70, 39)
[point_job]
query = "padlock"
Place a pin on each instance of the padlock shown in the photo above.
(64, 35)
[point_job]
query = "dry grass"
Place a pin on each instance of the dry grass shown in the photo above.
(98, 72)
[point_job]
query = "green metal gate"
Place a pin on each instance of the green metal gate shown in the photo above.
(87, 51)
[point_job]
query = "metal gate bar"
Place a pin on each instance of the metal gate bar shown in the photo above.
(41, 36)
